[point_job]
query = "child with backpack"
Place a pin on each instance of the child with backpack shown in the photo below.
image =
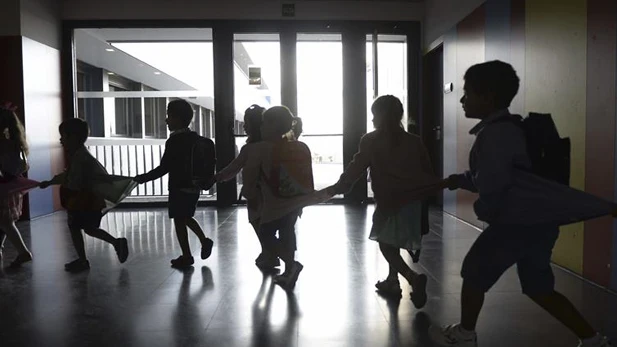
(248, 161)
(84, 207)
(13, 154)
(188, 175)
(285, 179)
(499, 150)
(398, 161)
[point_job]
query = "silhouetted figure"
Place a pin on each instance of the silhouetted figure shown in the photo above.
(13, 154)
(499, 148)
(396, 160)
(84, 208)
(248, 162)
(177, 161)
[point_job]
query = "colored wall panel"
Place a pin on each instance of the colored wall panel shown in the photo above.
(469, 51)
(43, 114)
(556, 53)
(600, 139)
(450, 107)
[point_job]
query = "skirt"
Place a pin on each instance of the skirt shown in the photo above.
(10, 207)
(401, 229)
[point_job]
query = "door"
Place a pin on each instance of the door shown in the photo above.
(433, 110)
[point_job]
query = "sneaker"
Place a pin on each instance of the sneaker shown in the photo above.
(77, 265)
(418, 296)
(206, 248)
(122, 249)
(182, 262)
(22, 258)
(453, 335)
(288, 282)
(389, 287)
(596, 341)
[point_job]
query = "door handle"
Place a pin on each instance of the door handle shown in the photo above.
(437, 131)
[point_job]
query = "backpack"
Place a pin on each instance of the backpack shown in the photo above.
(548, 152)
(202, 163)
(292, 169)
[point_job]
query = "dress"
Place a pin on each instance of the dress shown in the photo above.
(402, 229)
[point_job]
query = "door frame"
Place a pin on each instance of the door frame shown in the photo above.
(222, 33)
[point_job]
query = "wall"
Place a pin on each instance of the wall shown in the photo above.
(441, 15)
(241, 9)
(32, 66)
(566, 57)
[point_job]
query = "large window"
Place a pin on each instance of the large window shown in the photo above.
(126, 78)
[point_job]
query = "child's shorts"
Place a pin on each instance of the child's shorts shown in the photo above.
(84, 220)
(182, 204)
(501, 246)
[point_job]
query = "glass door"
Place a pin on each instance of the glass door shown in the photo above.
(319, 70)
(257, 79)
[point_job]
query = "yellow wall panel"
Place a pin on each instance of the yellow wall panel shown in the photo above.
(555, 64)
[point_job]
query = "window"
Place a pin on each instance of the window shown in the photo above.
(127, 111)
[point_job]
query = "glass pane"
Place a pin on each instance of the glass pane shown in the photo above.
(392, 68)
(327, 153)
(320, 83)
(240, 142)
(257, 74)
(257, 79)
(125, 79)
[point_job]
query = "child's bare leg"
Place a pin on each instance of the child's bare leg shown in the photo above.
(78, 242)
(12, 233)
(101, 235)
(192, 224)
(182, 234)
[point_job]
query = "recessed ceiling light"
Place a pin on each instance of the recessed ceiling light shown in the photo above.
(157, 73)
(109, 49)
(110, 73)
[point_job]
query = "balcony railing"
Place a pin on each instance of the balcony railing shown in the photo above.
(130, 157)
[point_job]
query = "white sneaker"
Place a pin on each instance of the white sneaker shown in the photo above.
(452, 335)
(597, 341)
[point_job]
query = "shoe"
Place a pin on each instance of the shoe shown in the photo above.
(597, 341)
(77, 265)
(182, 262)
(122, 249)
(418, 296)
(206, 249)
(453, 336)
(267, 262)
(388, 287)
(288, 282)
(22, 258)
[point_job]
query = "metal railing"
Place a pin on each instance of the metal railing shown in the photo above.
(131, 157)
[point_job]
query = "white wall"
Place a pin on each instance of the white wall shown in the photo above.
(40, 21)
(441, 15)
(241, 9)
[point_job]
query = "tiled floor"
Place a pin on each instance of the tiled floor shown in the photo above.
(227, 301)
